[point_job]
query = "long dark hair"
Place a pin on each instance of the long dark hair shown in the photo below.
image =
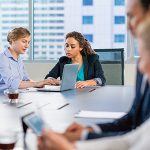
(83, 43)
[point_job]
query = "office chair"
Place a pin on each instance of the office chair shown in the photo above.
(112, 61)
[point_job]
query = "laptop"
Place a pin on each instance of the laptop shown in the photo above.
(68, 82)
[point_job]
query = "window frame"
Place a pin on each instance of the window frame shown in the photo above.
(31, 48)
(132, 57)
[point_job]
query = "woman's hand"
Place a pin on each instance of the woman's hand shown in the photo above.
(42, 83)
(54, 81)
(82, 84)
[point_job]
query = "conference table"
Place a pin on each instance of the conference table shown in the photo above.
(58, 109)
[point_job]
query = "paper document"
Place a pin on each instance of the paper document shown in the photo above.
(99, 114)
(56, 106)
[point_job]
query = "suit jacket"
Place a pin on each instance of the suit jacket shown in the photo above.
(92, 68)
(137, 139)
(139, 112)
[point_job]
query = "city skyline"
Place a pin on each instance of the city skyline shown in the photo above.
(102, 23)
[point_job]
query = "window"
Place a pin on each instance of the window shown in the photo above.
(119, 38)
(119, 19)
(48, 28)
(59, 53)
(87, 2)
(51, 53)
(13, 14)
(119, 2)
(89, 37)
(53, 19)
(87, 20)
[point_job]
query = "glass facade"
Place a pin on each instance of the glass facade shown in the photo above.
(13, 13)
(53, 19)
(48, 29)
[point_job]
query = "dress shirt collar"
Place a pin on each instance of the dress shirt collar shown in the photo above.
(8, 54)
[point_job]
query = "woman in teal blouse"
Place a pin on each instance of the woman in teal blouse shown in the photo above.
(78, 50)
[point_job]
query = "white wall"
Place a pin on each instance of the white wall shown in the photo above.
(130, 74)
(37, 71)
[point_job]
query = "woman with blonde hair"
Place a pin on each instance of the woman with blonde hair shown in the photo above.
(12, 71)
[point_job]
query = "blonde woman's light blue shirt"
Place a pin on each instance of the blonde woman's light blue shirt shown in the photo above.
(12, 71)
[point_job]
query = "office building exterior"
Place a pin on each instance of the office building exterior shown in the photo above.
(103, 23)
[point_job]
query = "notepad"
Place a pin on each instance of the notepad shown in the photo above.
(99, 114)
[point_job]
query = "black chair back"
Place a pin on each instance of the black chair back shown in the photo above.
(112, 61)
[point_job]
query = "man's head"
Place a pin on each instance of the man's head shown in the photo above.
(136, 12)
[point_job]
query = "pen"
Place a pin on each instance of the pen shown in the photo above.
(92, 90)
(43, 105)
(63, 106)
(24, 105)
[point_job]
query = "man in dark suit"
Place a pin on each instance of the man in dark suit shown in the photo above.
(140, 110)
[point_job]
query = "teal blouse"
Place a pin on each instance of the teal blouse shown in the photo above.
(80, 75)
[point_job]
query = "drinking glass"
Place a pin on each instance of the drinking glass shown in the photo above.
(8, 140)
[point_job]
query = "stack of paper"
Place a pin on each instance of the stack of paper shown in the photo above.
(99, 114)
